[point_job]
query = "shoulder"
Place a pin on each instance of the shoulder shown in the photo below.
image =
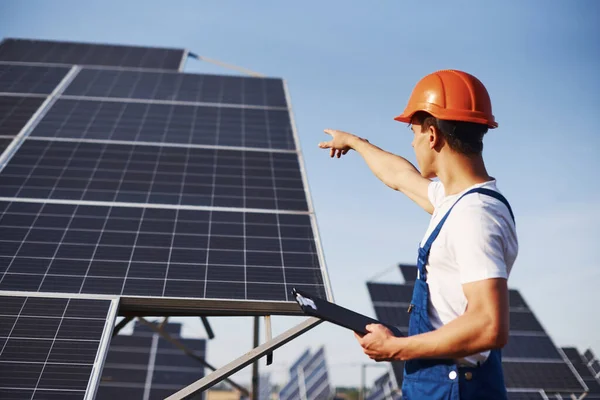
(436, 193)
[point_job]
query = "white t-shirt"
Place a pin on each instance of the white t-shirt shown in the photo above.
(478, 241)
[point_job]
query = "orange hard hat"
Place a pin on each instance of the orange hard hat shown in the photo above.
(451, 95)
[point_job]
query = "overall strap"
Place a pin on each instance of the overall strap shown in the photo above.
(424, 251)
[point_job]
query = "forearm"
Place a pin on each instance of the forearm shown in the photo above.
(388, 167)
(468, 334)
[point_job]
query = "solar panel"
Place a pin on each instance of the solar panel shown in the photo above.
(525, 395)
(264, 387)
(409, 272)
(154, 252)
(384, 388)
(524, 321)
(15, 111)
(34, 79)
(530, 347)
(178, 191)
(197, 88)
(168, 123)
(589, 355)
(309, 379)
(57, 52)
(550, 376)
(151, 174)
(595, 365)
(53, 347)
(390, 292)
(143, 365)
(515, 300)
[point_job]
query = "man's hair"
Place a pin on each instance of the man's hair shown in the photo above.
(462, 137)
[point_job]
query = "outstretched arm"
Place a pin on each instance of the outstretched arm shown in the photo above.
(394, 171)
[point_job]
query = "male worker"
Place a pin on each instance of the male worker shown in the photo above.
(459, 311)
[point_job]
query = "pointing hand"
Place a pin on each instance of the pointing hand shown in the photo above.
(339, 144)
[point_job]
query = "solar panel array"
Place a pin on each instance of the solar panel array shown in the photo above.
(53, 347)
(309, 378)
(166, 188)
(385, 388)
(530, 360)
(586, 366)
(144, 366)
(265, 387)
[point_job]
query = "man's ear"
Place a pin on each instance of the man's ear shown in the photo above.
(434, 137)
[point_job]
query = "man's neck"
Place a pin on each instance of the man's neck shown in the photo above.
(458, 172)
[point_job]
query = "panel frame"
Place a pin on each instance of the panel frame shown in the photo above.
(309, 199)
(98, 366)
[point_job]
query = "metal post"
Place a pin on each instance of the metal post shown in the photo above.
(268, 336)
(255, 364)
(121, 325)
(363, 373)
(209, 331)
(245, 360)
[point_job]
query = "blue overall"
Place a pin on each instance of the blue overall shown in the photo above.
(433, 379)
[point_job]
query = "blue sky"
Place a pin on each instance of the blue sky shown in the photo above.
(351, 66)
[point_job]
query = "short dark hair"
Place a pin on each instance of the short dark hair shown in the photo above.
(462, 137)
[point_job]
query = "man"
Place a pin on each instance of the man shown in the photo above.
(459, 312)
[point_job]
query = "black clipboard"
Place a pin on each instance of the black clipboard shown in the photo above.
(331, 312)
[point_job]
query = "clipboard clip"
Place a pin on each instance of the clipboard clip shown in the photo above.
(304, 301)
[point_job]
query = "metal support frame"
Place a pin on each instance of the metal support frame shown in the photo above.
(268, 336)
(121, 325)
(255, 383)
(207, 327)
(188, 352)
(245, 360)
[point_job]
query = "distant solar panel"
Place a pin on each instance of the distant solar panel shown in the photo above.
(409, 272)
(525, 395)
(527, 345)
(168, 123)
(198, 88)
(151, 174)
(156, 252)
(550, 376)
(53, 347)
(310, 379)
(33, 79)
(523, 346)
(143, 365)
(264, 387)
(384, 388)
(54, 52)
(15, 111)
(589, 355)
